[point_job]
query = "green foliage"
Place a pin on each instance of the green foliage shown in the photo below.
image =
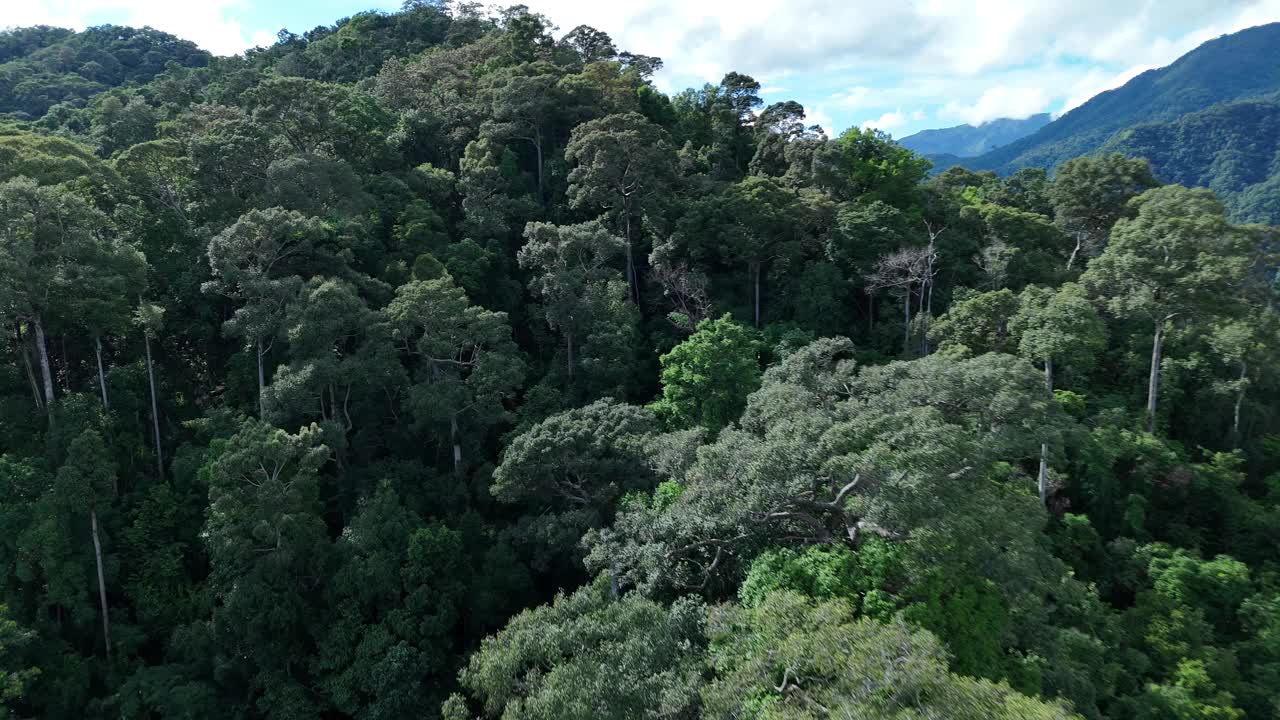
(41, 67)
(791, 658)
(707, 377)
(461, 249)
(591, 655)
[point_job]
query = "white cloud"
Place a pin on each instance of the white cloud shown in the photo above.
(998, 102)
(853, 98)
(894, 119)
(953, 37)
(211, 24)
(818, 116)
(1096, 82)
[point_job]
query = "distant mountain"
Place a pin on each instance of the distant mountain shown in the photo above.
(971, 141)
(43, 66)
(1231, 148)
(1242, 65)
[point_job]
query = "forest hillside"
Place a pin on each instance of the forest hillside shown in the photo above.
(435, 364)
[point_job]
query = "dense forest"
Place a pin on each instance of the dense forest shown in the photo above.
(435, 364)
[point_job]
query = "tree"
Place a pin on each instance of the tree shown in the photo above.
(584, 458)
(792, 658)
(569, 261)
(394, 599)
(976, 323)
(767, 219)
(85, 482)
(1177, 257)
(150, 318)
(592, 655)
(706, 379)
(825, 453)
(99, 281)
(44, 231)
(259, 261)
(908, 272)
(1247, 345)
(1056, 326)
(868, 163)
(524, 101)
(1089, 194)
(470, 365)
(623, 165)
(268, 556)
(13, 680)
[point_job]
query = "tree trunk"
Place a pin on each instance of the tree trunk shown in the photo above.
(871, 314)
(1075, 251)
(1043, 478)
(1235, 417)
(1153, 383)
(102, 373)
(42, 352)
(20, 346)
(457, 447)
(632, 282)
(537, 146)
(755, 278)
(568, 339)
(906, 323)
(102, 583)
(262, 382)
(155, 411)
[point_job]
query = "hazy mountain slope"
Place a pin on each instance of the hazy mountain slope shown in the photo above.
(970, 140)
(1233, 67)
(1231, 148)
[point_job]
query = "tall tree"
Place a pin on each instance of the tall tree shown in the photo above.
(85, 481)
(469, 365)
(1056, 326)
(523, 104)
(259, 261)
(1178, 257)
(568, 262)
(268, 556)
(43, 231)
(1089, 194)
(622, 166)
(150, 317)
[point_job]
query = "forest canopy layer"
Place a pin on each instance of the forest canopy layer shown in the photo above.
(435, 364)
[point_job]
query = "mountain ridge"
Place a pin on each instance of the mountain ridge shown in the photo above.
(970, 140)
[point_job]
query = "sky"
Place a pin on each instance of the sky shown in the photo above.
(898, 65)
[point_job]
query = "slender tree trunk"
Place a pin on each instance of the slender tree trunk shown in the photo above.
(102, 583)
(568, 339)
(1043, 478)
(755, 279)
(1235, 418)
(871, 313)
(631, 266)
(537, 146)
(67, 384)
(20, 346)
(102, 373)
(906, 323)
(262, 382)
(1153, 382)
(42, 352)
(457, 444)
(155, 406)
(1075, 251)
